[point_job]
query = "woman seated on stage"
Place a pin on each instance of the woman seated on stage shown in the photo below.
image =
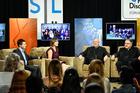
(53, 53)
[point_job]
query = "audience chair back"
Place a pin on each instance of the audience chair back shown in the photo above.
(5, 52)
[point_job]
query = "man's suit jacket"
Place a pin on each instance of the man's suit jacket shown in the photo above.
(17, 51)
(34, 69)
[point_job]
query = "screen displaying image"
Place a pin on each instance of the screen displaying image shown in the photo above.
(60, 31)
(120, 31)
(86, 30)
(2, 32)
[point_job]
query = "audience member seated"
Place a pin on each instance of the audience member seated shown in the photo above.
(54, 78)
(34, 85)
(71, 82)
(94, 84)
(94, 52)
(126, 78)
(35, 71)
(13, 64)
(96, 66)
(129, 56)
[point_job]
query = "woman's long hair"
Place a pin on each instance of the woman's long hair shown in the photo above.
(55, 68)
(71, 81)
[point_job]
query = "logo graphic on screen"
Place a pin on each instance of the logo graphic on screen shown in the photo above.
(2, 32)
(60, 31)
(120, 31)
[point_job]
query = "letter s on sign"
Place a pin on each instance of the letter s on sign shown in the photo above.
(36, 5)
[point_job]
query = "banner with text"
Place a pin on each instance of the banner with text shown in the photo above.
(36, 9)
(130, 9)
(54, 11)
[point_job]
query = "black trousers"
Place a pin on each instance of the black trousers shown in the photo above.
(35, 71)
(135, 65)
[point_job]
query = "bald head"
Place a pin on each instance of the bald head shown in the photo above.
(96, 42)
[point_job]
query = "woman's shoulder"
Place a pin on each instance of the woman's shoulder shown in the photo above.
(22, 75)
(50, 48)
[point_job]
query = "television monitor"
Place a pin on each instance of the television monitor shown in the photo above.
(60, 31)
(120, 31)
(2, 32)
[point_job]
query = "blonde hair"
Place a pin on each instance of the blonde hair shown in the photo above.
(96, 66)
(95, 78)
(11, 62)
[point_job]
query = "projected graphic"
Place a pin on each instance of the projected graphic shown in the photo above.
(120, 31)
(2, 31)
(60, 31)
(86, 30)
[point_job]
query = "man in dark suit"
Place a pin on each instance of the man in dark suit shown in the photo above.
(128, 56)
(25, 57)
(94, 52)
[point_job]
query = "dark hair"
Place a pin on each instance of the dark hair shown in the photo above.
(53, 40)
(20, 41)
(130, 40)
(94, 88)
(71, 81)
(34, 85)
(55, 68)
(126, 75)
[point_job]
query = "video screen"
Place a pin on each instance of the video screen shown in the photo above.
(2, 32)
(60, 31)
(120, 31)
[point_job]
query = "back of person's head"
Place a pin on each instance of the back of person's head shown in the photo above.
(53, 40)
(126, 75)
(94, 88)
(54, 90)
(71, 81)
(96, 66)
(20, 41)
(11, 62)
(34, 85)
(55, 68)
(94, 78)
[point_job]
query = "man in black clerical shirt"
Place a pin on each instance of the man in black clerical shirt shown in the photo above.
(94, 52)
(25, 57)
(128, 56)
